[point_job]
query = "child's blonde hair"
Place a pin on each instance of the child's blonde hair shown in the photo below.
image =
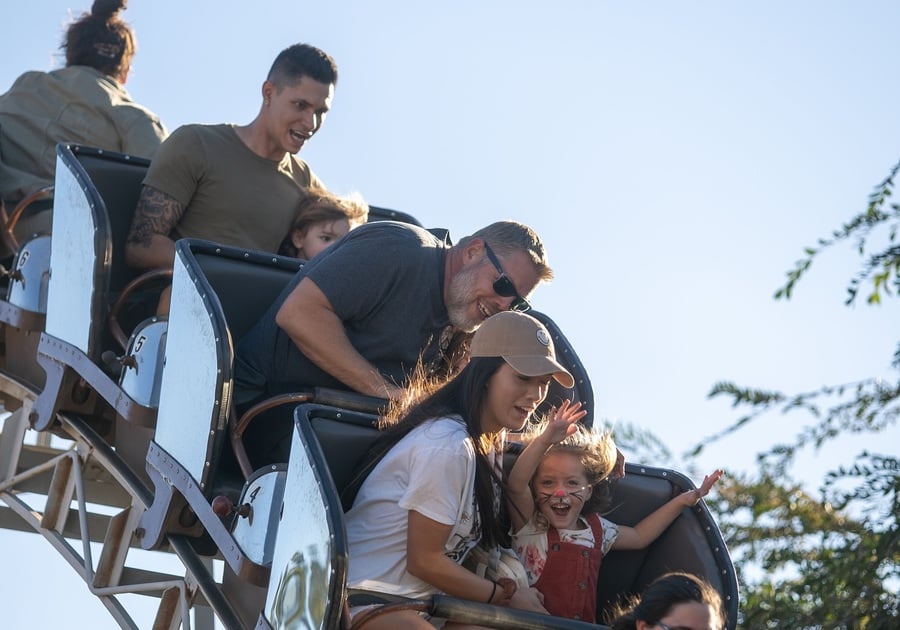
(596, 451)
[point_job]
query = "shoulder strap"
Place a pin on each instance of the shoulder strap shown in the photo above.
(597, 527)
(368, 464)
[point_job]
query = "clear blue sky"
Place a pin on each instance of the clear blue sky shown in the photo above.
(675, 158)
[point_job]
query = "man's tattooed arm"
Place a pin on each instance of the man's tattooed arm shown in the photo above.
(156, 213)
(149, 244)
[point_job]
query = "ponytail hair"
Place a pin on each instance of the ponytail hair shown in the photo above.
(101, 40)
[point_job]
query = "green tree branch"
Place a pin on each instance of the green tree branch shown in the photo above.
(831, 560)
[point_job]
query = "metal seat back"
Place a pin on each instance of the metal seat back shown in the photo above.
(217, 293)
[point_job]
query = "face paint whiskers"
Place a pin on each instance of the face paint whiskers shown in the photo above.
(561, 496)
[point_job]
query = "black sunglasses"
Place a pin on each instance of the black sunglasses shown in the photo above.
(503, 286)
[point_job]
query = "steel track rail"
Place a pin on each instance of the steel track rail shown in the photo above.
(112, 578)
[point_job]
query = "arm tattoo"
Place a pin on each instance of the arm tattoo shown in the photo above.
(156, 213)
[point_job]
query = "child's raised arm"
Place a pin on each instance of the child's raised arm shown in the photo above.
(559, 427)
(654, 524)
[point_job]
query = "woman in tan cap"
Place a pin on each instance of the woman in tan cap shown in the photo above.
(433, 490)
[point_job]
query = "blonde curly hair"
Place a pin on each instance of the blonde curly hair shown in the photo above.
(595, 450)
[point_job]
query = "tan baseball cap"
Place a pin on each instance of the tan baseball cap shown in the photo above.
(524, 344)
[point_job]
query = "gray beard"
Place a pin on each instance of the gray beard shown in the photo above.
(461, 294)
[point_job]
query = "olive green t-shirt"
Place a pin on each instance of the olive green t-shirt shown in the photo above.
(231, 195)
(76, 104)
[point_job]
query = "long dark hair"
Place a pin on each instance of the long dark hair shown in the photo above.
(463, 396)
(664, 593)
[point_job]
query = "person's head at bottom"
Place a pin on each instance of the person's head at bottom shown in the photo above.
(674, 601)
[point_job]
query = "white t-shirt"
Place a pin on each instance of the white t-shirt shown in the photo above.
(432, 471)
(530, 542)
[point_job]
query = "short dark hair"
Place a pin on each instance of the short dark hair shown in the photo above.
(302, 60)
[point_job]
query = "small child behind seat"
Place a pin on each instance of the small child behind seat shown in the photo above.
(321, 219)
(554, 506)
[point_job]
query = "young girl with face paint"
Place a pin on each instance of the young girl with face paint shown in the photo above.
(554, 503)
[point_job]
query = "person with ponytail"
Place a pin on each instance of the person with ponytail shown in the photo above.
(84, 103)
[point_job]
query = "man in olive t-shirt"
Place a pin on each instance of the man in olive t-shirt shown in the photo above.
(238, 185)
(230, 194)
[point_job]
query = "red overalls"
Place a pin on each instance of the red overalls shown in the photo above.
(569, 578)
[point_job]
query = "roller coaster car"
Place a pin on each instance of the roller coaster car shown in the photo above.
(94, 199)
(24, 280)
(287, 532)
(279, 529)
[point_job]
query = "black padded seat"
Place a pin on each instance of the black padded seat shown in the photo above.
(345, 437)
(246, 282)
(693, 543)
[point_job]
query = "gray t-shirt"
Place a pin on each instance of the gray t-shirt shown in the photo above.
(385, 280)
